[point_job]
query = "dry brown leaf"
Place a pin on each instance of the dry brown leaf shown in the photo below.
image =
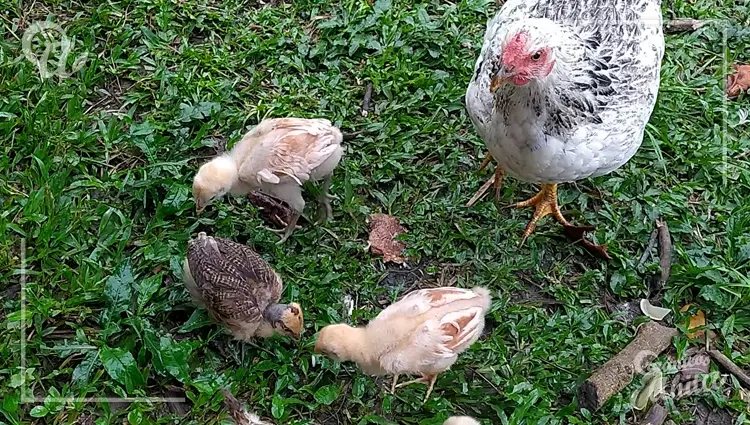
(697, 320)
(739, 81)
(383, 232)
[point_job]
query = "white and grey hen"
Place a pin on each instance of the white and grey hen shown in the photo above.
(239, 289)
(562, 91)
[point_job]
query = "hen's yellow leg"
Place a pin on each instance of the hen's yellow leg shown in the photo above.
(486, 161)
(496, 181)
(545, 203)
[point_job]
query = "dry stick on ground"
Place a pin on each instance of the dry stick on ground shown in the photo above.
(649, 246)
(353, 134)
(665, 252)
(366, 100)
(729, 365)
(610, 378)
(655, 416)
(683, 25)
(481, 191)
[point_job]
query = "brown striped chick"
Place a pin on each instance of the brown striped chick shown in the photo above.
(239, 289)
(276, 157)
(421, 334)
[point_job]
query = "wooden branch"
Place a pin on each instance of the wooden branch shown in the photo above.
(655, 416)
(354, 134)
(618, 372)
(683, 25)
(732, 368)
(665, 252)
(366, 100)
(649, 247)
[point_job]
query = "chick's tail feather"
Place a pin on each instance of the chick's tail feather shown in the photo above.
(485, 294)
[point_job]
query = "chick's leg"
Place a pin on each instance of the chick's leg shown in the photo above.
(292, 195)
(430, 385)
(427, 379)
(496, 181)
(289, 228)
(393, 385)
(324, 199)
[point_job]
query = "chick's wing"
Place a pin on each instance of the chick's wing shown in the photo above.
(293, 149)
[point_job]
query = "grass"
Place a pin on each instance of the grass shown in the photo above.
(96, 169)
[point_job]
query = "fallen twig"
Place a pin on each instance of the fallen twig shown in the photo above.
(682, 25)
(618, 372)
(482, 190)
(366, 100)
(665, 252)
(732, 368)
(578, 234)
(11, 292)
(656, 415)
(649, 246)
(353, 134)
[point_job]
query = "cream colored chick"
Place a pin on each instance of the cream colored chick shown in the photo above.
(239, 289)
(461, 420)
(276, 157)
(423, 333)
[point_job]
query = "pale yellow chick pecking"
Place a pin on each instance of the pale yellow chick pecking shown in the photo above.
(461, 420)
(421, 334)
(239, 289)
(276, 157)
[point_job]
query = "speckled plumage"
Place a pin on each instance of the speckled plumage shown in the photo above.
(232, 281)
(588, 116)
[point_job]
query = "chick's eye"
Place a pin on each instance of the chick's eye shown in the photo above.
(537, 55)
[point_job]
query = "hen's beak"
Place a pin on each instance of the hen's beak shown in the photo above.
(497, 80)
(199, 207)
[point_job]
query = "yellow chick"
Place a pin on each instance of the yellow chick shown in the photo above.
(461, 420)
(239, 289)
(423, 333)
(276, 157)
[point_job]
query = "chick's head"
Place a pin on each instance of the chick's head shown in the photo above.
(214, 179)
(333, 342)
(286, 319)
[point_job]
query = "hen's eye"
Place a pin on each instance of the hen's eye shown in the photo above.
(537, 55)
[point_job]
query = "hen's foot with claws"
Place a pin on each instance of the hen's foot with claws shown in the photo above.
(545, 203)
